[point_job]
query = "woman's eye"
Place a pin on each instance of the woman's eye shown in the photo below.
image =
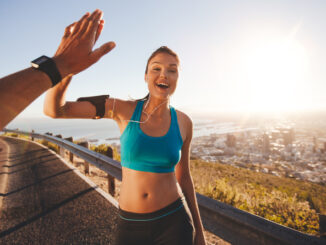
(156, 69)
(173, 71)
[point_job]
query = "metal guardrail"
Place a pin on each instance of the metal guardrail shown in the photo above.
(104, 163)
(229, 223)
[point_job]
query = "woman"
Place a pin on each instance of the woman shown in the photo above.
(155, 142)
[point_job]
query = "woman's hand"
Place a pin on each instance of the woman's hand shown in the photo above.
(66, 80)
(75, 52)
(200, 239)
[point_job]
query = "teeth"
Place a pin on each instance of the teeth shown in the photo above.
(163, 84)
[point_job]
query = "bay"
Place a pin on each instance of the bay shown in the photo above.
(107, 131)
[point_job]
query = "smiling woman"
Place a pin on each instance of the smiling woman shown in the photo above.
(276, 74)
(157, 203)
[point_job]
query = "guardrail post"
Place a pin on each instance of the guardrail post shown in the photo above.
(60, 149)
(111, 183)
(322, 225)
(86, 164)
(71, 156)
(32, 135)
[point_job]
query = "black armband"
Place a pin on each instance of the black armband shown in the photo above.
(98, 102)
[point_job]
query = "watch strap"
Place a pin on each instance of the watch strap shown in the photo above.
(48, 66)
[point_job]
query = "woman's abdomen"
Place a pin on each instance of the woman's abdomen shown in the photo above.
(144, 192)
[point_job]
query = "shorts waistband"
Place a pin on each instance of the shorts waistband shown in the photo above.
(169, 209)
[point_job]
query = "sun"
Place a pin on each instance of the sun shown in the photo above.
(276, 75)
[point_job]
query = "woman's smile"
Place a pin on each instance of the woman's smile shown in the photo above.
(162, 75)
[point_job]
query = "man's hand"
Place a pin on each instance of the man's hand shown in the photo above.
(75, 52)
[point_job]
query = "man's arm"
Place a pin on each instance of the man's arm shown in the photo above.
(75, 54)
(18, 90)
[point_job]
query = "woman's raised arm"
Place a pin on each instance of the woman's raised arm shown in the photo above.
(56, 106)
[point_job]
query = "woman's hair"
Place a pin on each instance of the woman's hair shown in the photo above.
(160, 50)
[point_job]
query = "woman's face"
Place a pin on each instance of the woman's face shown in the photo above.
(162, 75)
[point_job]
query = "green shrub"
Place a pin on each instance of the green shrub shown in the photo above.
(103, 148)
(16, 135)
(283, 200)
(50, 145)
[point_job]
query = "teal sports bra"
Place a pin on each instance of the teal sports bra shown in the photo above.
(142, 152)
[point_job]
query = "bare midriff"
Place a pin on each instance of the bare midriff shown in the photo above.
(146, 192)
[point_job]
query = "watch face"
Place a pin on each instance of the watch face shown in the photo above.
(37, 62)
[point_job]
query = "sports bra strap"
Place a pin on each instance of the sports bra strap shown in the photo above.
(137, 112)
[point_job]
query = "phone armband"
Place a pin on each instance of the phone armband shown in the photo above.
(98, 102)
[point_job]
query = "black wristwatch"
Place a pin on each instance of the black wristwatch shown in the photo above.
(48, 66)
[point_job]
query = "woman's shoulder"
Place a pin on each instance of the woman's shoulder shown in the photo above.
(126, 106)
(185, 124)
(126, 103)
(120, 108)
(184, 118)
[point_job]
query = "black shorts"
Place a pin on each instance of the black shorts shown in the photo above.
(171, 225)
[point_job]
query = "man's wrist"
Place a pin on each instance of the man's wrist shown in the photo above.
(48, 66)
(62, 66)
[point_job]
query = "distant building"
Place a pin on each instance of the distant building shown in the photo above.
(292, 134)
(286, 133)
(266, 146)
(287, 138)
(275, 134)
(230, 140)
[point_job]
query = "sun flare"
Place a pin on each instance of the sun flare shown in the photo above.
(276, 75)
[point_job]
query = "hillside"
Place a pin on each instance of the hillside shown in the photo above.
(283, 200)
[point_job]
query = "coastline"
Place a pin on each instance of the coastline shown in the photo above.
(107, 132)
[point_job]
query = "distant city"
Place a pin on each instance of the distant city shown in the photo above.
(280, 151)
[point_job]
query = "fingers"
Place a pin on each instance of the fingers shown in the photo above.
(94, 24)
(67, 79)
(99, 52)
(90, 21)
(79, 23)
(99, 30)
(74, 53)
(69, 30)
(74, 27)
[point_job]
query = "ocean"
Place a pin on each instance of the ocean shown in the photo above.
(107, 131)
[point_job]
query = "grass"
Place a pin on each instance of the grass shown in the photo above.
(50, 145)
(103, 149)
(22, 136)
(289, 202)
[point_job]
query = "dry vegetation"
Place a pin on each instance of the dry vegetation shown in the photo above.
(286, 201)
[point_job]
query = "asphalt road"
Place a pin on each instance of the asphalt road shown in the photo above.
(45, 202)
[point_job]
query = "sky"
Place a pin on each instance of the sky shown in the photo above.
(236, 56)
